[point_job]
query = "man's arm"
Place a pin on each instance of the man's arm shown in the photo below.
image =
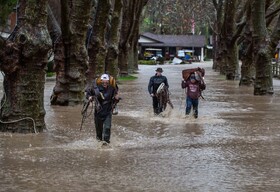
(184, 84)
(88, 92)
(92, 91)
(150, 85)
(166, 82)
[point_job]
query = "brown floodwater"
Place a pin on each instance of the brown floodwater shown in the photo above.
(232, 146)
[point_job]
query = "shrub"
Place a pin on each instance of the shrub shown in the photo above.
(147, 62)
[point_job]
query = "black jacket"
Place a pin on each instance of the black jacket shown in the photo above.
(105, 97)
(155, 82)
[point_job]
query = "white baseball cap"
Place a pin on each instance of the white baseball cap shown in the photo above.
(105, 77)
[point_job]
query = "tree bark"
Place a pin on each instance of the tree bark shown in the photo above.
(111, 65)
(248, 70)
(71, 59)
(263, 84)
(24, 57)
(229, 29)
(97, 49)
(131, 14)
(217, 48)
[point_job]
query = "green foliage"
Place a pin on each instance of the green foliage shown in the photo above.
(50, 74)
(127, 78)
(160, 60)
(147, 62)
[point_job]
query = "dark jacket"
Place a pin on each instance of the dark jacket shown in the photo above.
(105, 97)
(155, 82)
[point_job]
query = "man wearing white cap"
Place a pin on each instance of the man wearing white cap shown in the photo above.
(105, 95)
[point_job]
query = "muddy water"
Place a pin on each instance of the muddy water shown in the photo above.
(232, 146)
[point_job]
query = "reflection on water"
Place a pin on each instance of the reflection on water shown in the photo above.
(232, 146)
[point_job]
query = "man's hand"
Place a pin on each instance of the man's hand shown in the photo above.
(152, 95)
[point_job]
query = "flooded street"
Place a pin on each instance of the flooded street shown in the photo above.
(232, 146)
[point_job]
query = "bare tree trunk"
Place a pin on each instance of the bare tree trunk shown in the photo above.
(24, 57)
(232, 64)
(131, 14)
(263, 84)
(217, 40)
(114, 39)
(248, 70)
(135, 51)
(222, 54)
(134, 39)
(71, 57)
(229, 29)
(215, 48)
(126, 28)
(97, 49)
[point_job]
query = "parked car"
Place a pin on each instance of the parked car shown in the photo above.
(186, 55)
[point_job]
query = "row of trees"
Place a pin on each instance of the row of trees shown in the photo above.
(246, 30)
(177, 17)
(86, 37)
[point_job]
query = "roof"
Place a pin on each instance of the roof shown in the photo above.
(173, 40)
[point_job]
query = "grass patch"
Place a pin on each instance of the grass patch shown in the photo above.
(50, 74)
(127, 78)
(147, 62)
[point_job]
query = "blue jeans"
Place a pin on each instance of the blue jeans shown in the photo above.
(192, 103)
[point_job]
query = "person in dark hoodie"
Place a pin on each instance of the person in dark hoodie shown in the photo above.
(154, 83)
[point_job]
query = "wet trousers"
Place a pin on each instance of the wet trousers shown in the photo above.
(192, 103)
(156, 106)
(103, 127)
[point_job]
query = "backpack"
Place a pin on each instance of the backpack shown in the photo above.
(112, 81)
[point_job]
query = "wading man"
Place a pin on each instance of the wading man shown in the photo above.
(193, 88)
(105, 95)
(153, 85)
